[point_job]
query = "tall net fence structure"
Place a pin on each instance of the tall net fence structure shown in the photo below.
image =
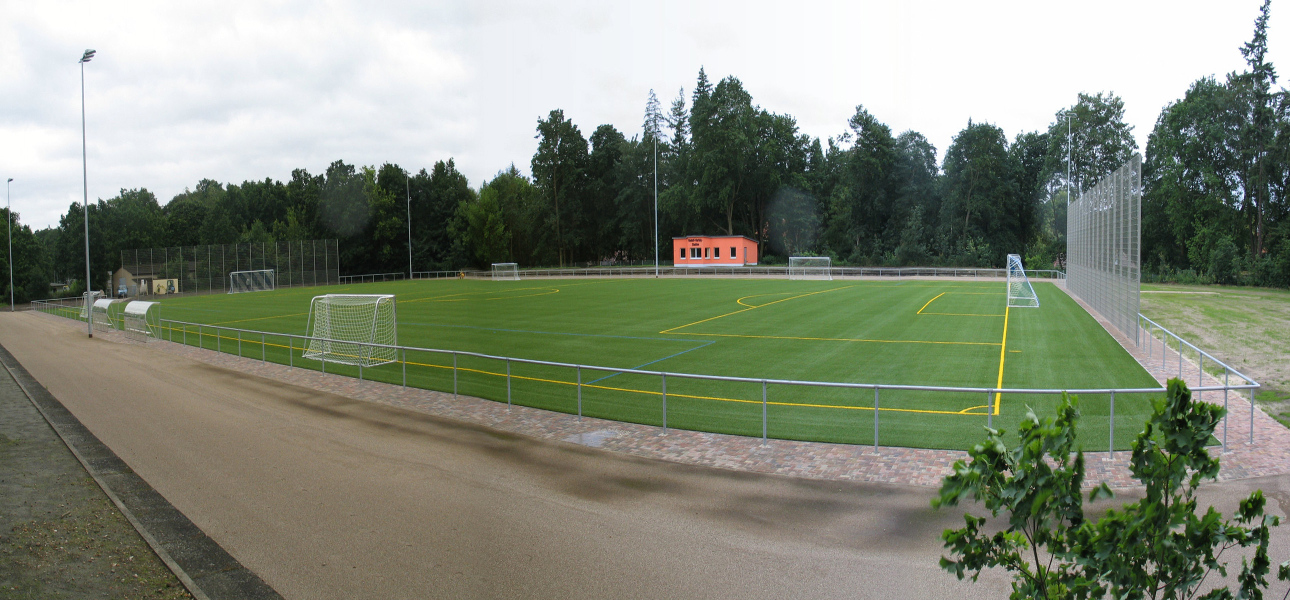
(1104, 246)
(207, 269)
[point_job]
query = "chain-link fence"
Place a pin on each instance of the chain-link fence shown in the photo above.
(205, 269)
(1104, 246)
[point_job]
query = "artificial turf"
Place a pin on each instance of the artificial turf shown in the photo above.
(904, 332)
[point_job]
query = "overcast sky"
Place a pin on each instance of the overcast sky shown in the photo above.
(231, 91)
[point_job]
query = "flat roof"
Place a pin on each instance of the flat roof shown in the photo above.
(686, 237)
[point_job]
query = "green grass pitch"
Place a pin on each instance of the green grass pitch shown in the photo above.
(915, 332)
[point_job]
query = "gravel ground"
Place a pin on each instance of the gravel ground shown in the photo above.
(60, 535)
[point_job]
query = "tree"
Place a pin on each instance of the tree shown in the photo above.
(1158, 547)
(1256, 85)
(558, 167)
(1100, 141)
(983, 215)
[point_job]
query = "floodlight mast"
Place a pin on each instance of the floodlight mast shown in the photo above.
(656, 206)
(409, 183)
(85, 179)
(9, 209)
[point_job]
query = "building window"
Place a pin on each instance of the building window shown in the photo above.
(706, 252)
(682, 253)
(716, 252)
(733, 254)
(694, 253)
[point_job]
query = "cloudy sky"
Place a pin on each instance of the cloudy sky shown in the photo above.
(233, 91)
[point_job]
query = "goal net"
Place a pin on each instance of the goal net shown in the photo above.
(342, 327)
(1020, 294)
(100, 316)
(505, 272)
(250, 281)
(140, 320)
(810, 267)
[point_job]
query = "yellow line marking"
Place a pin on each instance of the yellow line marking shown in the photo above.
(753, 307)
(626, 390)
(1003, 347)
(260, 319)
(821, 339)
(967, 411)
(920, 311)
(961, 315)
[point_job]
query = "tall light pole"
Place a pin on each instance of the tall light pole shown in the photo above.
(409, 182)
(9, 209)
(85, 214)
(656, 206)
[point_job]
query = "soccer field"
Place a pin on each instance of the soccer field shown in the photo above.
(905, 332)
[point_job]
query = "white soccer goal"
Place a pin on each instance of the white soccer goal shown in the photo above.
(341, 327)
(506, 272)
(250, 281)
(810, 267)
(1020, 294)
(100, 316)
(141, 321)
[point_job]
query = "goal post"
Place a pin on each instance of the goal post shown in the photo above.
(250, 281)
(818, 268)
(506, 272)
(1020, 292)
(140, 320)
(343, 328)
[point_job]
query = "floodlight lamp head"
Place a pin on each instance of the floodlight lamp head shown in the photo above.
(89, 54)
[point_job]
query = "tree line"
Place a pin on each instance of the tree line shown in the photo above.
(1216, 176)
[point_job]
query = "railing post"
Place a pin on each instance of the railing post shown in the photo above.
(454, 375)
(291, 351)
(1180, 358)
(1111, 445)
(360, 369)
(219, 341)
(664, 403)
(989, 409)
(875, 418)
(239, 343)
(1251, 416)
(1226, 379)
(508, 384)
(405, 367)
(185, 335)
(579, 393)
(763, 412)
(263, 352)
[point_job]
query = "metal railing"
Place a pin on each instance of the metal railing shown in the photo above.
(1149, 331)
(371, 278)
(222, 339)
(439, 274)
(769, 271)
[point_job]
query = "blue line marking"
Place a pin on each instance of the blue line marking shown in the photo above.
(704, 345)
(701, 343)
(620, 337)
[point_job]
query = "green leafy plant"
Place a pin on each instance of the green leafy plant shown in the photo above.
(1158, 547)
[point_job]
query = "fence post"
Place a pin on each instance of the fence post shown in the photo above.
(1111, 449)
(360, 370)
(262, 350)
(763, 412)
(219, 341)
(405, 367)
(239, 343)
(579, 393)
(875, 418)
(324, 363)
(185, 335)
(454, 375)
(1164, 348)
(291, 350)
(1180, 358)
(664, 403)
(508, 384)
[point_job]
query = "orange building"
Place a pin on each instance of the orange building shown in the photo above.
(714, 251)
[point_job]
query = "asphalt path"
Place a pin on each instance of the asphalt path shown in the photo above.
(327, 497)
